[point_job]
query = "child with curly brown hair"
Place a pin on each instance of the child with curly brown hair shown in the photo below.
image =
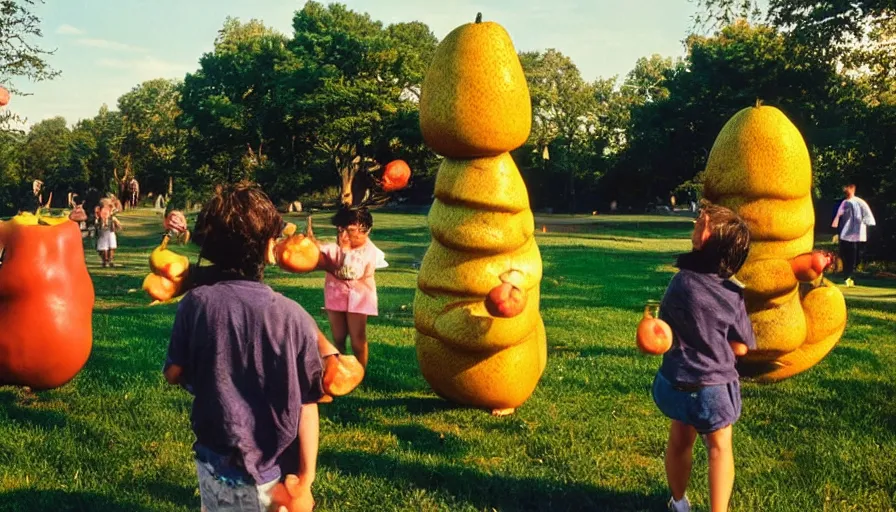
(250, 357)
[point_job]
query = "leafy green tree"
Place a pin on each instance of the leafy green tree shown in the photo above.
(19, 54)
(363, 78)
(150, 145)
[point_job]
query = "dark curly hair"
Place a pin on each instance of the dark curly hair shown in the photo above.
(348, 215)
(234, 227)
(728, 245)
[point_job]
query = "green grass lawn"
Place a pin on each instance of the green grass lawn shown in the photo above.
(590, 438)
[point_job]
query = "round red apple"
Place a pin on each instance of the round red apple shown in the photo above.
(654, 336)
(396, 176)
(505, 301)
(807, 267)
(4, 96)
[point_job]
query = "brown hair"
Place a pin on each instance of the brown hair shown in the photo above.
(729, 239)
(234, 227)
(348, 215)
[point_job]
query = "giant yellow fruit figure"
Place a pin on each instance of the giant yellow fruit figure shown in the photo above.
(480, 337)
(759, 167)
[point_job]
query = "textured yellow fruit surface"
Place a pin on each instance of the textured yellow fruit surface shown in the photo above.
(495, 380)
(759, 167)
(760, 154)
(491, 183)
(474, 101)
(464, 324)
(455, 271)
(774, 219)
(769, 280)
(473, 229)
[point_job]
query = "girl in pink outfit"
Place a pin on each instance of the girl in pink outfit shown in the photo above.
(349, 289)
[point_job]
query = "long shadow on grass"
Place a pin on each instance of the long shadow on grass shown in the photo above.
(487, 491)
(22, 500)
(29, 412)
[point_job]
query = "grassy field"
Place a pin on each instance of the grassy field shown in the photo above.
(590, 438)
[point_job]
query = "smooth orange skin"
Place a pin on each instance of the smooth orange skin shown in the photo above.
(739, 349)
(160, 288)
(4, 96)
(342, 374)
(293, 495)
(298, 254)
(396, 175)
(654, 336)
(505, 301)
(808, 267)
(46, 305)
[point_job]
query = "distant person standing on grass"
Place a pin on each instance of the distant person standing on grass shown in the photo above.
(852, 218)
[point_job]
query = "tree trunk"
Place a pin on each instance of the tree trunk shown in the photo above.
(347, 177)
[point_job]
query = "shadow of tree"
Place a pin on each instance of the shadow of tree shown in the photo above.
(488, 491)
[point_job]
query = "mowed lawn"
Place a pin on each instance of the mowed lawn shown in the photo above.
(590, 438)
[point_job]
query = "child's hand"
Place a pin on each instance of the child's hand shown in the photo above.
(292, 495)
(739, 349)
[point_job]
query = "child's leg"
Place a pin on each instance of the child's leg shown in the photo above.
(721, 468)
(102, 257)
(357, 329)
(339, 326)
(679, 457)
(111, 256)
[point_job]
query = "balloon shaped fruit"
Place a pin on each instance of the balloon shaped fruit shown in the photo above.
(654, 335)
(4, 96)
(46, 302)
(480, 337)
(396, 176)
(297, 252)
(759, 167)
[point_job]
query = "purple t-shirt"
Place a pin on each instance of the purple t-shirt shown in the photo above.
(250, 357)
(705, 312)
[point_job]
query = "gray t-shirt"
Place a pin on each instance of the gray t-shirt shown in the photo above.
(705, 312)
(250, 357)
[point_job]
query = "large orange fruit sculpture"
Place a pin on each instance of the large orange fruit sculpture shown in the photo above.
(759, 166)
(480, 336)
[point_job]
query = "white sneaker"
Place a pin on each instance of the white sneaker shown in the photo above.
(683, 505)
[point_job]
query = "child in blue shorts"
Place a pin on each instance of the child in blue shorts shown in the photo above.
(697, 384)
(250, 357)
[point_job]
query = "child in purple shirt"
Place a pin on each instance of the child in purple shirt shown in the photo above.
(697, 385)
(250, 356)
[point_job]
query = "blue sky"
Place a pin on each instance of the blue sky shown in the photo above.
(106, 47)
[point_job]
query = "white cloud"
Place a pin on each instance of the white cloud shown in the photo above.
(69, 30)
(148, 67)
(109, 45)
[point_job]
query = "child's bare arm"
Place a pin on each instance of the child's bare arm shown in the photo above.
(309, 432)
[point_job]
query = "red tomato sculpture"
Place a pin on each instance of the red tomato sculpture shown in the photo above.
(46, 302)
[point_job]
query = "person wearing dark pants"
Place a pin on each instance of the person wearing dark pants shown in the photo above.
(852, 218)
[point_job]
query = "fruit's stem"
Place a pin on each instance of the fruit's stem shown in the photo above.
(164, 244)
(758, 102)
(478, 17)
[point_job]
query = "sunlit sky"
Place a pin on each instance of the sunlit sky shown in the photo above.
(106, 47)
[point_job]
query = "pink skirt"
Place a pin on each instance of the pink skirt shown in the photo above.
(350, 296)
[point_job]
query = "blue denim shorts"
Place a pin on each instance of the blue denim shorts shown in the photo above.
(707, 409)
(228, 494)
